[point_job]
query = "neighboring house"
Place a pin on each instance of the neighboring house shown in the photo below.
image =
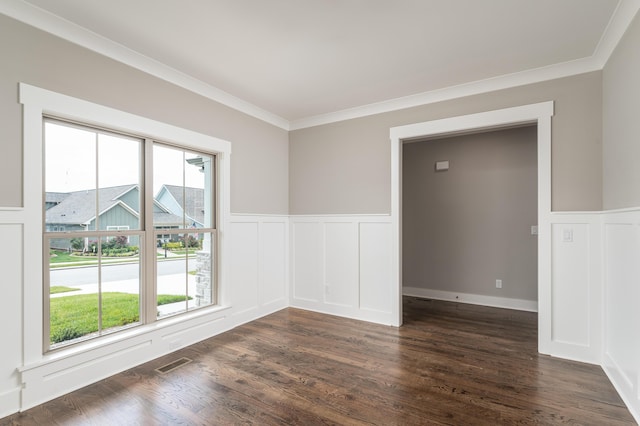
(175, 197)
(54, 198)
(119, 208)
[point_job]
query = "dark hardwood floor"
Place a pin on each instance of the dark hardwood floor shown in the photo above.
(450, 364)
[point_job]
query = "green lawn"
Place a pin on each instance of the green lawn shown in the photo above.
(60, 256)
(77, 316)
(61, 289)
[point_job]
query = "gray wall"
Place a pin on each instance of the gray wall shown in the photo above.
(621, 123)
(468, 226)
(259, 174)
(345, 167)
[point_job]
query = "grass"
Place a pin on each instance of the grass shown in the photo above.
(77, 316)
(60, 256)
(61, 289)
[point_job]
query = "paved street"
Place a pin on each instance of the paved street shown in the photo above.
(118, 272)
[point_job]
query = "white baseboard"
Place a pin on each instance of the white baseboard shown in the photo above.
(622, 386)
(9, 402)
(474, 299)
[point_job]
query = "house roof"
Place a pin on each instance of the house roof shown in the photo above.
(55, 197)
(78, 207)
(191, 198)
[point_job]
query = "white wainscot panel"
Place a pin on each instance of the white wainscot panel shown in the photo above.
(622, 278)
(244, 266)
(273, 263)
(570, 281)
(307, 261)
(10, 317)
(375, 267)
(341, 264)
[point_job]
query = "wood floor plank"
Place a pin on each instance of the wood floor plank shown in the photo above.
(449, 364)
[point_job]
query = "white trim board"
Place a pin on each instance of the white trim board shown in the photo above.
(38, 18)
(473, 299)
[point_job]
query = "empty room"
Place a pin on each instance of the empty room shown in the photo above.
(311, 212)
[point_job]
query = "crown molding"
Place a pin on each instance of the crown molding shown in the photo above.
(618, 24)
(53, 24)
(48, 22)
(565, 69)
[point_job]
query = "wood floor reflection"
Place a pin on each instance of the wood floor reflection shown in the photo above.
(449, 364)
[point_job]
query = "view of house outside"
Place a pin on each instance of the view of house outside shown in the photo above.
(94, 229)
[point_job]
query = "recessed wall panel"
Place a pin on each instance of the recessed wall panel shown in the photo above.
(341, 264)
(570, 284)
(272, 262)
(375, 267)
(244, 265)
(622, 298)
(10, 315)
(307, 261)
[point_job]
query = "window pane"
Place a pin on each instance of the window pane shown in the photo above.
(70, 178)
(168, 187)
(92, 179)
(94, 286)
(73, 288)
(173, 275)
(120, 282)
(183, 184)
(204, 270)
(119, 182)
(197, 200)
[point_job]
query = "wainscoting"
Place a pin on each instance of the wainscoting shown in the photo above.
(621, 278)
(255, 285)
(11, 254)
(341, 265)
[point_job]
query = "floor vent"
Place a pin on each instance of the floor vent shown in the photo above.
(173, 365)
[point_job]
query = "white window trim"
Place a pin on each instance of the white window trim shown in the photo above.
(39, 102)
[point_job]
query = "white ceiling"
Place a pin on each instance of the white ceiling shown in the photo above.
(300, 59)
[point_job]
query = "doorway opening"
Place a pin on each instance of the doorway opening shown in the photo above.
(469, 218)
(538, 115)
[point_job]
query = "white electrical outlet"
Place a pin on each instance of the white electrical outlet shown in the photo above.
(567, 235)
(498, 283)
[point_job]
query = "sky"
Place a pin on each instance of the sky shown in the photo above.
(70, 161)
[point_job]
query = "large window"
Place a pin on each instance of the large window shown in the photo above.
(130, 231)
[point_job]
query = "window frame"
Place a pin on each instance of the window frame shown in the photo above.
(40, 103)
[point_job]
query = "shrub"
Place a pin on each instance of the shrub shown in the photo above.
(173, 245)
(191, 241)
(77, 244)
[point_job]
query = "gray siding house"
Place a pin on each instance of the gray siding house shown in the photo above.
(119, 209)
